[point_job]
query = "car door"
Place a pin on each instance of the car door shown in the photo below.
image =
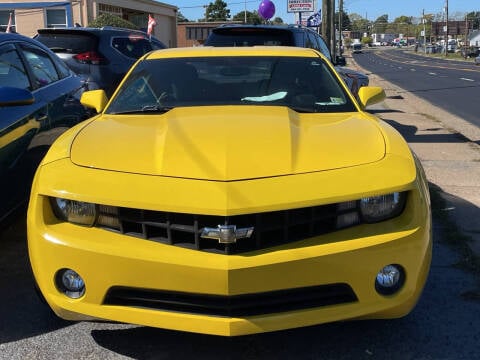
(18, 124)
(28, 128)
(54, 86)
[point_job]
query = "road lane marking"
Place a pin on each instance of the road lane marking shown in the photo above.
(466, 79)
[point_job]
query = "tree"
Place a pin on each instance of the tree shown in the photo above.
(346, 24)
(380, 25)
(367, 41)
(278, 21)
(474, 19)
(112, 20)
(181, 18)
(252, 17)
(217, 11)
(403, 20)
(403, 25)
(358, 23)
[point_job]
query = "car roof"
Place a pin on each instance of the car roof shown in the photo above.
(12, 36)
(92, 30)
(263, 26)
(211, 51)
(18, 37)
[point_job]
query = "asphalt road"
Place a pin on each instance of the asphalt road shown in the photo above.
(451, 85)
(444, 325)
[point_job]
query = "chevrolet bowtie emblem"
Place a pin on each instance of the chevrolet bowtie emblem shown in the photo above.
(226, 234)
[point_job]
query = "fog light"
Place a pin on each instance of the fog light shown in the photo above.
(390, 279)
(70, 283)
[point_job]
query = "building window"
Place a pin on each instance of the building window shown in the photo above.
(110, 9)
(56, 18)
(198, 33)
(4, 18)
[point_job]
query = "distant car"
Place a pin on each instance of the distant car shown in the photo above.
(251, 35)
(477, 60)
(224, 192)
(39, 99)
(102, 55)
(356, 48)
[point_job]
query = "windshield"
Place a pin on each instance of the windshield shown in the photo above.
(304, 84)
(250, 37)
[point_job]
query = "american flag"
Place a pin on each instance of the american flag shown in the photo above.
(315, 19)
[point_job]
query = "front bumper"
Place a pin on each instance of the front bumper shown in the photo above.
(109, 261)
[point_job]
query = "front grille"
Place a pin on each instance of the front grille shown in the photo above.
(234, 305)
(270, 228)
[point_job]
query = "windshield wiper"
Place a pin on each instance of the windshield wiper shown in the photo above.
(146, 109)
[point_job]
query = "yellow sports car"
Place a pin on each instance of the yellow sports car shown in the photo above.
(230, 191)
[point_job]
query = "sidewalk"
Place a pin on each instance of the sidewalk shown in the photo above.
(448, 147)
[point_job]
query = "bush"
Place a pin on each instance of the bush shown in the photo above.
(112, 20)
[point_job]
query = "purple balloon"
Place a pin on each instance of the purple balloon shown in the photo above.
(266, 9)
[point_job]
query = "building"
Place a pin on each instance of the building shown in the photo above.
(456, 29)
(195, 33)
(28, 16)
(474, 38)
(383, 38)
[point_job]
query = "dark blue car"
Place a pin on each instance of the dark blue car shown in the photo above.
(39, 99)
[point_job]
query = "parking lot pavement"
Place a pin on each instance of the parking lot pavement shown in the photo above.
(448, 146)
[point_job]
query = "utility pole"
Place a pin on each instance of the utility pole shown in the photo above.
(333, 37)
(340, 17)
(424, 32)
(245, 12)
(326, 27)
(446, 28)
(466, 37)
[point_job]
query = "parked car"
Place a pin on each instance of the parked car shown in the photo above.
(477, 60)
(102, 55)
(470, 51)
(39, 99)
(356, 48)
(232, 195)
(250, 35)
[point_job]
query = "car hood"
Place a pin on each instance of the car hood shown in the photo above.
(228, 143)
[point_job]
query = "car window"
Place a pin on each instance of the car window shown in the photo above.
(42, 66)
(69, 42)
(249, 37)
(62, 68)
(132, 46)
(313, 41)
(12, 70)
(324, 48)
(303, 84)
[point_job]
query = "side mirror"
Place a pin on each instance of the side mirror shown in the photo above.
(369, 95)
(12, 96)
(96, 99)
(341, 61)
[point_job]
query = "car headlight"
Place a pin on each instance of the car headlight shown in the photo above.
(76, 212)
(379, 208)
